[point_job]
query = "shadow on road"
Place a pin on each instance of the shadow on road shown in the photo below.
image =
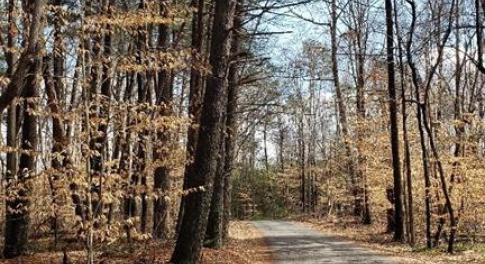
(297, 244)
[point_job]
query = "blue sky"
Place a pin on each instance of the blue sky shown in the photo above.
(284, 46)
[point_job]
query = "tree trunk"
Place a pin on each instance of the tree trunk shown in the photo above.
(265, 142)
(12, 142)
(162, 181)
(359, 43)
(213, 237)
(196, 92)
(217, 229)
(230, 141)
(448, 204)
(142, 82)
(196, 203)
(17, 209)
(424, 152)
(407, 151)
(59, 159)
(342, 110)
(396, 164)
(302, 159)
(281, 144)
(24, 79)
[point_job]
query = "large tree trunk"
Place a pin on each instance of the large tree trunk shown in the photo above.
(18, 78)
(396, 163)
(217, 227)
(196, 86)
(24, 79)
(201, 177)
(213, 237)
(16, 230)
(12, 110)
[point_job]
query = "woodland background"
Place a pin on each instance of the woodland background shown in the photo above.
(127, 122)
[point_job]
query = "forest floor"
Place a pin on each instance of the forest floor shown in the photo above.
(374, 237)
(245, 246)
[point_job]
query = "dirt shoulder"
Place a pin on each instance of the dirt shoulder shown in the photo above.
(248, 243)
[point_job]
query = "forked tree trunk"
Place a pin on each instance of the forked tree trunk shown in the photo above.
(217, 228)
(424, 151)
(197, 203)
(24, 79)
(17, 217)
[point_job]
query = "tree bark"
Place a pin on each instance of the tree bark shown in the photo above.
(24, 79)
(196, 92)
(162, 181)
(407, 151)
(230, 141)
(396, 162)
(342, 110)
(12, 156)
(424, 125)
(424, 152)
(217, 229)
(28, 55)
(196, 203)
(213, 236)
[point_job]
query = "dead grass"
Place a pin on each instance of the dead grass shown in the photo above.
(374, 237)
(246, 246)
(249, 243)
